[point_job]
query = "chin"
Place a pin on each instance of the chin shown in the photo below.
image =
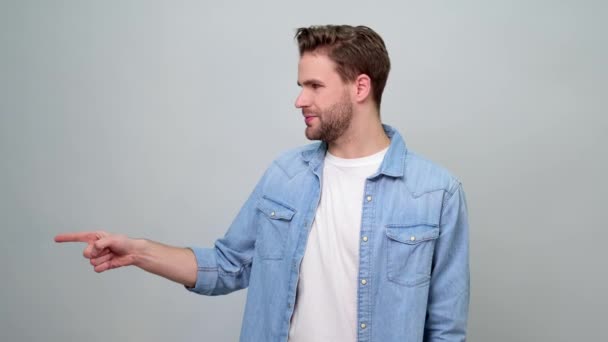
(311, 134)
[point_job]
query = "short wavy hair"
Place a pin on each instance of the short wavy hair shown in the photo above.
(356, 50)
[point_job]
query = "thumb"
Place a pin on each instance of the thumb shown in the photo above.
(102, 244)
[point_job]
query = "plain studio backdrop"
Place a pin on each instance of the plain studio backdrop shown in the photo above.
(156, 118)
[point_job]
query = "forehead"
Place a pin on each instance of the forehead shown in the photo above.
(317, 66)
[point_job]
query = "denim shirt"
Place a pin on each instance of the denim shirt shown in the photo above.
(413, 248)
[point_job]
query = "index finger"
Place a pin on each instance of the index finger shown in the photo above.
(76, 237)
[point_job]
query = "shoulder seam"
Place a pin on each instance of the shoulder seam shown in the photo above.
(281, 168)
(455, 188)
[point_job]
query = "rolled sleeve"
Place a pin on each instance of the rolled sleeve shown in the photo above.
(226, 267)
(207, 271)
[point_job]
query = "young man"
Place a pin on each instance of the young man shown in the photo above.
(352, 238)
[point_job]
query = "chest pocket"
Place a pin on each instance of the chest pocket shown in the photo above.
(410, 252)
(274, 227)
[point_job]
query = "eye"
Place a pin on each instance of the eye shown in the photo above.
(315, 86)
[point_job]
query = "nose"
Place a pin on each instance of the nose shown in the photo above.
(301, 100)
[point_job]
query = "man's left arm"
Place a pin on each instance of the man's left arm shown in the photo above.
(448, 303)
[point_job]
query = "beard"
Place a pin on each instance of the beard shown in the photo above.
(333, 122)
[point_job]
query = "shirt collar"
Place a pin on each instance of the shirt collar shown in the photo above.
(394, 161)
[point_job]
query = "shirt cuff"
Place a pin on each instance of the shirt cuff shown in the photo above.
(206, 275)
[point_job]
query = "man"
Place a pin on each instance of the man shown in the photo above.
(353, 238)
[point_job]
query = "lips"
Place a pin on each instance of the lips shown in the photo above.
(308, 119)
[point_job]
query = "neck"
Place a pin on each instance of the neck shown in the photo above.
(365, 136)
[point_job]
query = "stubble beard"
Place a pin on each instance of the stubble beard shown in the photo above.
(333, 122)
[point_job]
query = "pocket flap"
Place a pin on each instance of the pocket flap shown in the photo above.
(274, 209)
(412, 234)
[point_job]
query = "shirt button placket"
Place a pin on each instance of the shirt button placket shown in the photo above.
(364, 305)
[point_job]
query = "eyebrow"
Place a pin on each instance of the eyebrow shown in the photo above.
(310, 82)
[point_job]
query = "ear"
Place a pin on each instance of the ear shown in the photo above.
(363, 88)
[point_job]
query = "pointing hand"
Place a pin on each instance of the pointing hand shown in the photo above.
(105, 251)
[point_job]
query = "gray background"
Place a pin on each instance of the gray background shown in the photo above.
(155, 119)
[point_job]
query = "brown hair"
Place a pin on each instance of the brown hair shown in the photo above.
(355, 50)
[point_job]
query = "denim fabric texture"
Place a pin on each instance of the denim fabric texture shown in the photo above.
(413, 254)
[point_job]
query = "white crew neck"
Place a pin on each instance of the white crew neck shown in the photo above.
(375, 158)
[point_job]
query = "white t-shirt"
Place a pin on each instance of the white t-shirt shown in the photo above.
(326, 302)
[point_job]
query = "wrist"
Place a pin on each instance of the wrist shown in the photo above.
(140, 251)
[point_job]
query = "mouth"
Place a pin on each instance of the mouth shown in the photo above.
(309, 119)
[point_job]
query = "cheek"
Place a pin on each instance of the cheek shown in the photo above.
(322, 102)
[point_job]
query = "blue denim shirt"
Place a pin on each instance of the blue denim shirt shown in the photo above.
(413, 250)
